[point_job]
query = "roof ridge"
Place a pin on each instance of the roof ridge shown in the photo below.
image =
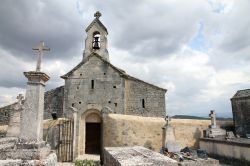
(96, 21)
(122, 72)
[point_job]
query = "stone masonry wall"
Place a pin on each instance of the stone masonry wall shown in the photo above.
(4, 114)
(107, 89)
(241, 115)
(53, 102)
(93, 86)
(154, 99)
(127, 130)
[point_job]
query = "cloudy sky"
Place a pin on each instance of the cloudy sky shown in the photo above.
(198, 49)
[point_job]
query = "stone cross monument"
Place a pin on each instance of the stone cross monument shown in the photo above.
(40, 48)
(29, 148)
(214, 130)
(32, 115)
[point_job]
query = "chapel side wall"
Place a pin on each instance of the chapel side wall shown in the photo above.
(241, 115)
(136, 91)
(53, 102)
(5, 115)
(147, 131)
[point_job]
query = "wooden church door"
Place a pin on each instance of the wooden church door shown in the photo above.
(93, 138)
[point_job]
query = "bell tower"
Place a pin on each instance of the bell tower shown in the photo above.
(96, 40)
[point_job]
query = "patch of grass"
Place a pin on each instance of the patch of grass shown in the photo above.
(86, 163)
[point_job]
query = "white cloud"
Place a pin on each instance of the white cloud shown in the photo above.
(8, 95)
(149, 40)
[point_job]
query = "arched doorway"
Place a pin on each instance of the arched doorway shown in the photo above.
(93, 134)
(89, 130)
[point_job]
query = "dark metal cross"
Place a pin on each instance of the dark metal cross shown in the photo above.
(40, 48)
(20, 98)
(98, 15)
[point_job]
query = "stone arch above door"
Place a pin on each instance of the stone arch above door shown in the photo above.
(93, 118)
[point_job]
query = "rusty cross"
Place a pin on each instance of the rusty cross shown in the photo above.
(97, 15)
(40, 48)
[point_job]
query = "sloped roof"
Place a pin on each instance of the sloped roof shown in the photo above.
(98, 22)
(9, 106)
(120, 71)
(242, 94)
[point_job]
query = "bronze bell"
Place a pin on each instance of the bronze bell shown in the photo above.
(96, 43)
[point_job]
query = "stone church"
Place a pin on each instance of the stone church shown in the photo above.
(94, 86)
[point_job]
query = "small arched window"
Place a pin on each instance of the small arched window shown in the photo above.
(92, 84)
(96, 40)
(143, 103)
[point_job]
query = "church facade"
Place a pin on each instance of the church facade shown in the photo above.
(96, 86)
(95, 83)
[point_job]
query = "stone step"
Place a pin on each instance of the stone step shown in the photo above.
(11, 162)
(7, 146)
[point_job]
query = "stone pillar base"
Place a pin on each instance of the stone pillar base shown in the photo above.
(214, 132)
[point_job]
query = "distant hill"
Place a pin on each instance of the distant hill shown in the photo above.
(196, 117)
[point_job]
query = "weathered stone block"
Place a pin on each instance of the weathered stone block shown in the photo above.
(132, 156)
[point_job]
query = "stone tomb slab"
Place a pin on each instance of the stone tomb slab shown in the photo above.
(135, 156)
(200, 162)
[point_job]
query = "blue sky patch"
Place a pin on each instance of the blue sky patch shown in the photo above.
(198, 42)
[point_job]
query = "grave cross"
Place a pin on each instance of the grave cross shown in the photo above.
(20, 99)
(40, 48)
(212, 115)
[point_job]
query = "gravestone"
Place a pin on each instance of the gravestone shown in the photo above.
(214, 130)
(169, 141)
(14, 121)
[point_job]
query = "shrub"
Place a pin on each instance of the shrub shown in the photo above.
(86, 163)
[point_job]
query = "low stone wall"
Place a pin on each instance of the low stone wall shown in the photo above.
(237, 149)
(127, 130)
(188, 131)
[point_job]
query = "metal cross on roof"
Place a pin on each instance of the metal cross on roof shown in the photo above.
(98, 15)
(40, 48)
